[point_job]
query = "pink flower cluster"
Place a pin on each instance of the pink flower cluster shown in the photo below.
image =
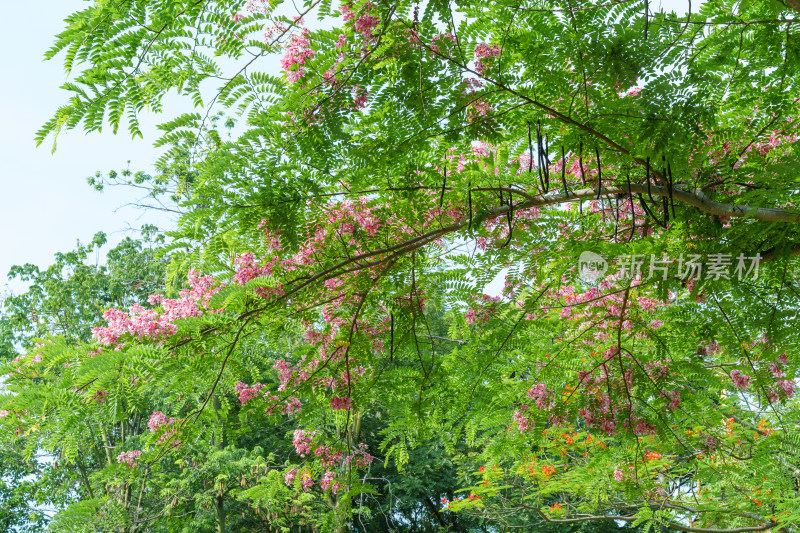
(305, 481)
(787, 387)
(302, 441)
(290, 406)
(359, 458)
(157, 420)
(149, 324)
(342, 403)
(747, 148)
(329, 457)
(364, 23)
(482, 310)
(709, 347)
(329, 483)
(100, 396)
(543, 397)
(478, 108)
(360, 97)
(674, 399)
(257, 6)
(740, 380)
(349, 216)
(523, 422)
(448, 36)
(129, 458)
(484, 51)
(598, 412)
(247, 268)
(776, 370)
(305, 478)
(297, 53)
(247, 393)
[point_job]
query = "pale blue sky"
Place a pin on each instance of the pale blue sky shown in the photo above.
(45, 203)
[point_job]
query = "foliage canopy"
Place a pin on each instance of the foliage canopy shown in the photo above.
(349, 214)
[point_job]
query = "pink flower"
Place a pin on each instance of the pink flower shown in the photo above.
(302, 441)
(365, 24)
(292, 406)
(478, 108)
(293, 76)
(618, 475)
(643, 427)
(129, 458)
(149, 324)
(100, 396)
(538, 391)
(248, 394)
(306, 482)
(776, 370)
(289, 477)
(345, 10)
(328, 482)
(484, 50)
(360, 97)
(297, 53)
(4, 413)
(284, 373)
(482, 309)
(787, 386)
(675, 400)
(523, 422)
(739, 380)
(343, 403)
(157, 420)
(155, 299)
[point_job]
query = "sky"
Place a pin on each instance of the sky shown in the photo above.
(46, 205)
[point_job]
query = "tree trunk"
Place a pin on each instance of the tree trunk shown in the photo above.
(219, 505)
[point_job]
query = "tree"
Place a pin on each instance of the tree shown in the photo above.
(638, 364)
(68, 298)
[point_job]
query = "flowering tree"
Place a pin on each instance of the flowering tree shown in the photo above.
(628, 175)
